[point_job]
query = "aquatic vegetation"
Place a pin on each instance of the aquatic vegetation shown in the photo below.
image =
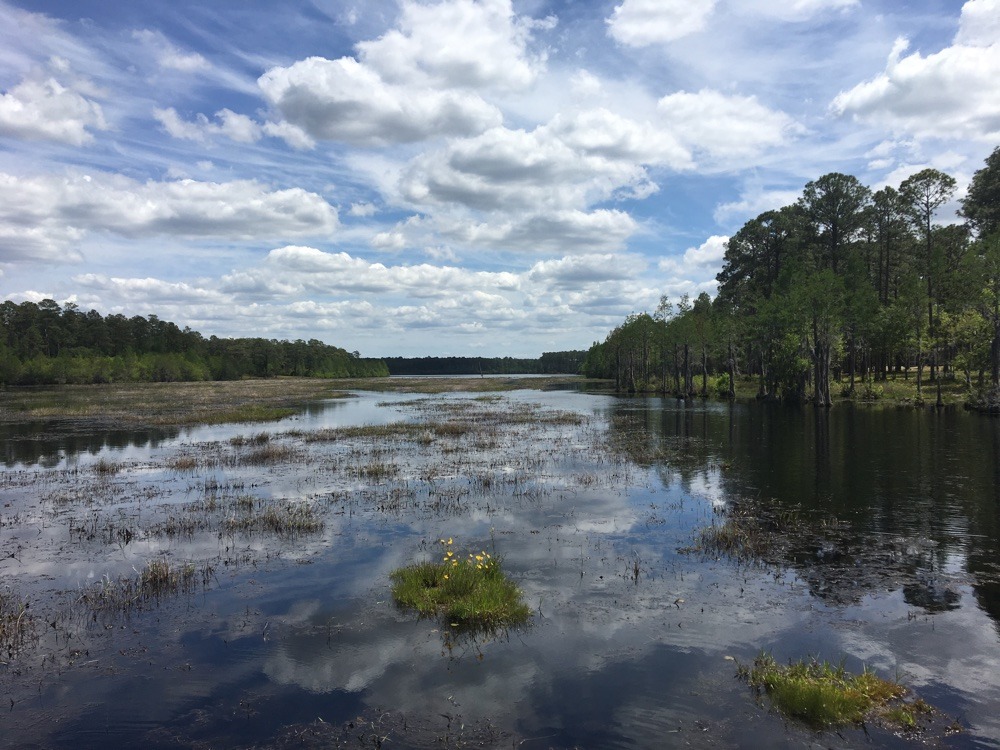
(466, 593)
(17, 626)
(157, 580)
(106, 467)
(823, 695)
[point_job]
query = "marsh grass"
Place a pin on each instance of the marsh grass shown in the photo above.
(104, 467)
(167, 403)
(17, 626)
(471, 594)
(268, 453)
(280, 518)
(157, 580)
(822, 695)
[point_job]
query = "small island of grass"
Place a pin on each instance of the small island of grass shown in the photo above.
(470, 593)
(823, 695)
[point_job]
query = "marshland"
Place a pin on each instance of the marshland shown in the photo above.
(216, 565)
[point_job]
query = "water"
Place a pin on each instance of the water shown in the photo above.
(899, 571)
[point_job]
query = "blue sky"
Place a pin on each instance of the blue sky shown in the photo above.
(451, 177)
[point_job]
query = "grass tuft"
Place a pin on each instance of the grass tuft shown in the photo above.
(470, 593)
(822, 695)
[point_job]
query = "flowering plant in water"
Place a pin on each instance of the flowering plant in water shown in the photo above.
(468, 592)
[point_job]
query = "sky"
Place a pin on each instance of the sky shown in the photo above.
(451, 177)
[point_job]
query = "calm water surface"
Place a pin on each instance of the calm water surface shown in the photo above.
(296, 637)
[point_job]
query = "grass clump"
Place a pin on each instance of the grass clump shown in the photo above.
(470, 593)
(157, 580)
(822, 695)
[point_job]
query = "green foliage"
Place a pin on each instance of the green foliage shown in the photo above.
(470, 593)
(824, 695)
(842, 282)
(42, 344)
(721, 384)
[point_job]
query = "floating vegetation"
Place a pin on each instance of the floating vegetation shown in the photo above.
(470, 593)
(823, 695)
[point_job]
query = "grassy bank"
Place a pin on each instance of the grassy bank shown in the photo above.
(164, 404)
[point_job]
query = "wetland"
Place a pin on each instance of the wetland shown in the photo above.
(207, 565)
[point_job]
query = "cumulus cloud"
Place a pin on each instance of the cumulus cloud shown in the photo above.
(308, 269)
(638, 23)
(42, 216)
(696, 268)
(343, 100)
(458, 44)
(572, 272)
(725, 127)
(420, 80)
(45, 109)
(570, 163)
(236, 127)
(954, 93)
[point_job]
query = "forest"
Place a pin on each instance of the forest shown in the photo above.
(44, 343)
(550, 363)
(846, 284)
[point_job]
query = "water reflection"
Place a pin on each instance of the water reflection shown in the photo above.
(49, 444)
(887, 554)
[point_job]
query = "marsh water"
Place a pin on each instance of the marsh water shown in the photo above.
(289, 637)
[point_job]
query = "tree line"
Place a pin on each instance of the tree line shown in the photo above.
(845, 283)
(45, 343)
(550, 363)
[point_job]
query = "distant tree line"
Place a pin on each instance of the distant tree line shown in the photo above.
(46, 343)
(550, 363)
(846, 282)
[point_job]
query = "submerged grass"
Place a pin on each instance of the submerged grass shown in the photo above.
(822, 695)
(468, 594)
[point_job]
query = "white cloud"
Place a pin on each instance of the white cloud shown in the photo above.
(570, 163)
(725, 127)
(236, 127)
(43, 216)
(695, 270)
(710, 252)
(951, 94)
(638, 23)
(297, 270)
(362, 209)
(752, 203)
(293, 135)
(343, 100)
(424, 79)
(457, 44)
(45, 109)
(797, 10)
(577, 270)
(168, 55)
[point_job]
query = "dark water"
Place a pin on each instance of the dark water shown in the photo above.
(296, 641)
